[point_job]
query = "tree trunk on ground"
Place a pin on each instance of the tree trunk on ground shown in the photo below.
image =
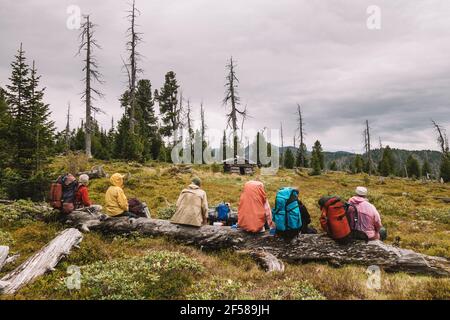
(95, 173)
(305, 248)
(41, 262)
(4, 251)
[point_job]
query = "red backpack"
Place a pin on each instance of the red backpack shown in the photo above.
(335, 220)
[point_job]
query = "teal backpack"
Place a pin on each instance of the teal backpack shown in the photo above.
(286, 213)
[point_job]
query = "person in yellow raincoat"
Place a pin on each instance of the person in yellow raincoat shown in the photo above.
(116, 202)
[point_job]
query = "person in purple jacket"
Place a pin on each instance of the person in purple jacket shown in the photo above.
(369, 220)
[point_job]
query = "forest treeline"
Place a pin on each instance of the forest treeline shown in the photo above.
(29, 138)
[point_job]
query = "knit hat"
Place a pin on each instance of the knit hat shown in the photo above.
(83, 179)
(197, 181)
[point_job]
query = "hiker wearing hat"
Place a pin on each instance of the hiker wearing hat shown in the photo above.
(116, 202)
(82, 201)
(369, 220)
(192, 205)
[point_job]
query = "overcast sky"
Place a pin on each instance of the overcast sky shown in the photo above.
(320, 54)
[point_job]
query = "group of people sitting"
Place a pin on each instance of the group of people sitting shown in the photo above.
(116, 202)
(254, 211)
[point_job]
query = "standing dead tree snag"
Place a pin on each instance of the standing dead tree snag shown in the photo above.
(301, 132)
(203, 128)
(131, 65)
(232, 98)
(367, 147)
(442, 138)
(87, 44)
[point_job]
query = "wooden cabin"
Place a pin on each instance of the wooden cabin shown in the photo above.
(239, 165)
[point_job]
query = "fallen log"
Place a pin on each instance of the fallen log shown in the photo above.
(4, 251)
(96, 172)
(305, 248)
(443, 199)
(43, 261)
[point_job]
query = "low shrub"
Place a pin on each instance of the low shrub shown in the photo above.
(167, 212)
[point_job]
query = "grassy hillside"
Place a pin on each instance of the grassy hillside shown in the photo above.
(135, 267)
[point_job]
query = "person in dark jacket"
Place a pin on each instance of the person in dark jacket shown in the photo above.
(306, 219)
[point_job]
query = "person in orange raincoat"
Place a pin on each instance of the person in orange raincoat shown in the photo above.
(254, 209)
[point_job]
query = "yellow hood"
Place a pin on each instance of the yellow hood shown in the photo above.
(117, 180)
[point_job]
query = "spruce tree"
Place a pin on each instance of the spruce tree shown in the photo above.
(5, 133)
(289, 159)
(167, 99)
(318, 151)
(18, 95)
(387, 165)
(41, 126)
(333, 166)
(31, 131)
(426, 169)
(358, 164)
(413, 167)
(302, 160)
(315, 165)
(147, 121)
(445, 168)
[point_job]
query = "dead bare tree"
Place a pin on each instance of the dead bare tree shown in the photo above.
(203, 128)
(134, 56)
(87, 44)
(282, 145)
(442, 137)
(367, 147)
(301, 133)
(190, 127)
(67, 130)
(232, 98)
(177, 121)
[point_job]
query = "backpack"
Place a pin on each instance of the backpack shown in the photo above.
(222, 212)
(286, 214)
(62, 193)
(138, 208)
(337, 222)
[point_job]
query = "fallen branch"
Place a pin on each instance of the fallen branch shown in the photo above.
(305, 248)
(43, 261)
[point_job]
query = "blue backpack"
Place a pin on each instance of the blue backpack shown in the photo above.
(222, 212)
(286, 213)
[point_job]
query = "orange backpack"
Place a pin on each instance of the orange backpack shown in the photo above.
(335, 220)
